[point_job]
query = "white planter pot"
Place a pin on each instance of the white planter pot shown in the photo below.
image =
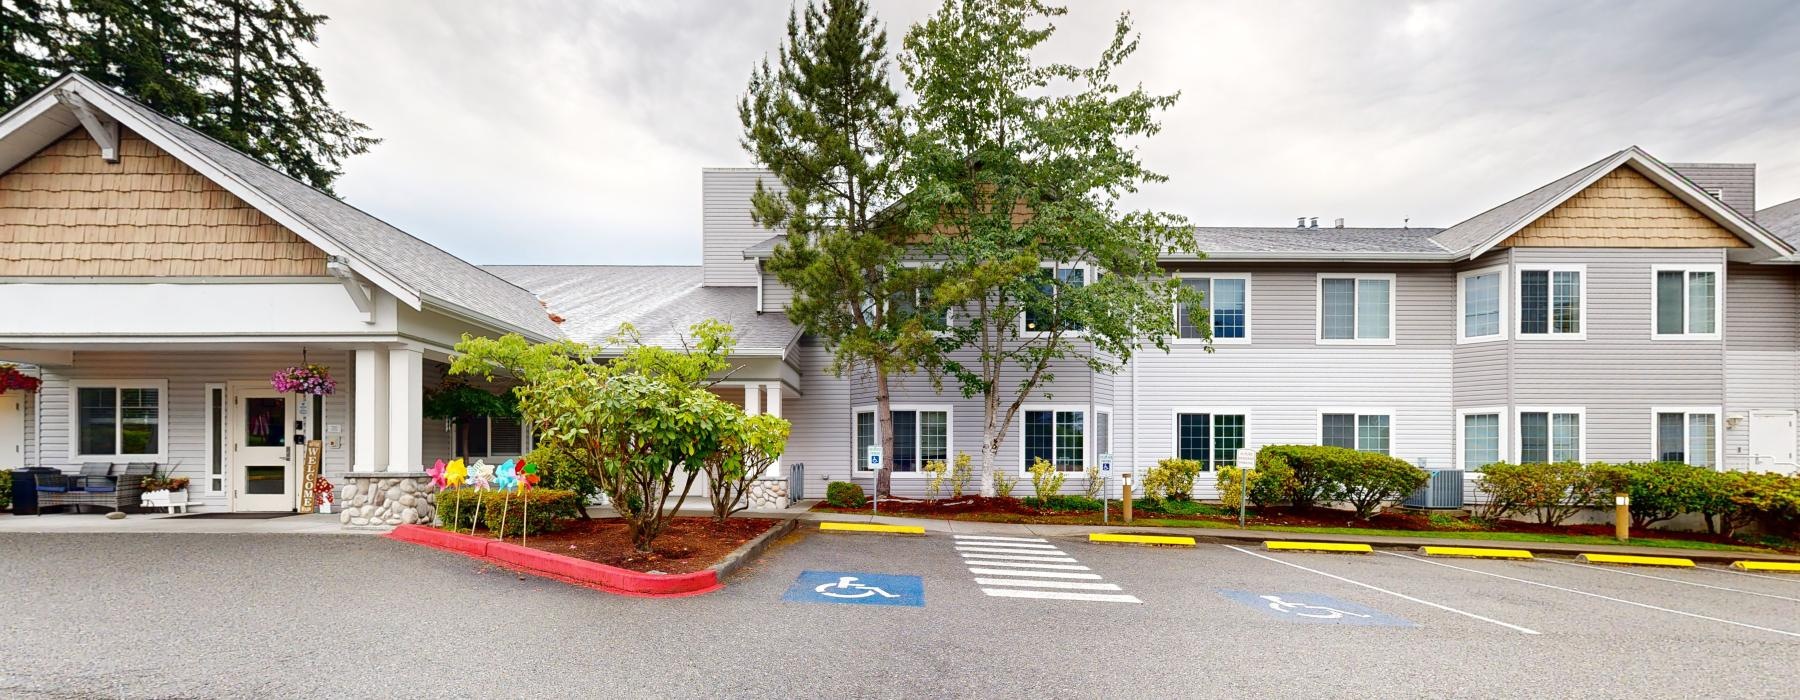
(325, 507)
(165, 499)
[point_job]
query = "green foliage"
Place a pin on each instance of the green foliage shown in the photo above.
(1046, 481)
(1168, 507)
(1367, 480)
(5, 490)
(456, 509)
(1302, 474)
(1662, 491)
(960, 475)
(940, 472)
(641, 424)
(1060, 502)
(1446, 521)
(235, 70)
(748, 446)
(1172, 480)
(1004, 483)
(1022, 163)
(844, 494)
(1231, 485)
(565, 472)
(1552, 492)
(456, 400)
(1091, 488)
(1737, 499)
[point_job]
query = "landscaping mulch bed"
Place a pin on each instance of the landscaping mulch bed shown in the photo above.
(688, 545)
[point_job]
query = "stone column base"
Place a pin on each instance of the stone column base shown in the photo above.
(386, 499)
(769, 494)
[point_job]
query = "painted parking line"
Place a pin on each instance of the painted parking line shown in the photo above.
(1612, 570)
(1020, 567)
(1634, 603)
(1379, 589)
(1735, 572)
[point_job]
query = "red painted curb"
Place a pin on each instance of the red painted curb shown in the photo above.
(578, 571)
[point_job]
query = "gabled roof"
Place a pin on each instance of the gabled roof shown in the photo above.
(1782, 220)
(661, 302)
(1252, 242)
(418, 273)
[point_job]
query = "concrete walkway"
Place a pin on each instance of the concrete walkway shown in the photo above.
(51, 523)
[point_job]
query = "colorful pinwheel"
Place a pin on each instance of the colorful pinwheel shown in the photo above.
(453, 474)
(506, 478)
(437, 474)
(530, 479)
(481, 476)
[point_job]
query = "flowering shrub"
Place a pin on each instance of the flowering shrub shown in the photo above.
(305, 379)
(11, 378)
(165, 483)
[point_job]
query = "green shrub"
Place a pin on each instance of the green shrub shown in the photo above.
(1366, 480)
(1446, 521)
(939, 471)
(1736, 499)
(1045, 479)
(1095, 483)
(1303, 473)
(560, 470)
(1231, 485)
(456, 509)
(1004, 483)
(1059, 502)
(1172, 480)
(1180, 507)
(960, 475)
(843, 494)
(1270, 483)
(5, 490)
(1552, 492)
(1662, 491)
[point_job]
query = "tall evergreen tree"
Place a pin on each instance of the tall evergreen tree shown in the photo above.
(25, 41)
(824, 119)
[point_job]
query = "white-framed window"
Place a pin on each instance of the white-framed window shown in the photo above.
(1687, 435)
(1687, 302)
(1481, 304)
(1211, 437)
(1058, 434)
(1368, 430)
(1356, 309)
(1552, 302)
(1481, 437)
(119, 418)
(1039, 318)
(1103, 432)
(496, 437)
(921, 435)
(218, 419)
(1226, 298)
(1552, 434)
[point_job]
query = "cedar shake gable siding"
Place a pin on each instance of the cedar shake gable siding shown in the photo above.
(67, 212)
(1624, 209)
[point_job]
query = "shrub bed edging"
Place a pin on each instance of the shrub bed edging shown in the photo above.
(611, 579)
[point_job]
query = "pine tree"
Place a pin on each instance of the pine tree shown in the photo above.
(824, 119)
(25, 41)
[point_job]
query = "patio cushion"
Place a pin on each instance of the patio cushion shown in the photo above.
(46, 488)
(99, 486)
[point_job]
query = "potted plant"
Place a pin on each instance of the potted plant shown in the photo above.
(165, 492)
(12, 378)
(322, 492)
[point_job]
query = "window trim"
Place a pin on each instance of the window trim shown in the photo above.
(221, 433)
(1718, 414)
(1319, 308)
(1462, 414)
(1462, 335)
(162, 418)
(1518, 437)
(1550, 332)
(1087, 429)
(1249, 314)
(1718, 301)
(862, 469)
(1088, 277)
(1176, 413)
(1358, 411)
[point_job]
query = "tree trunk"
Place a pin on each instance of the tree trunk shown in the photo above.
(883, 409)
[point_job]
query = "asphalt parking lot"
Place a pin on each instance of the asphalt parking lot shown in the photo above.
(183, 616)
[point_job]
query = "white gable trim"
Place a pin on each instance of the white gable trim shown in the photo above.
(1664, 177)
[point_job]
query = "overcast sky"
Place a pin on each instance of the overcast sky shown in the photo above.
(574, 132)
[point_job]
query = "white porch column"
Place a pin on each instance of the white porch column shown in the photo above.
(406, 410)
(371, 386)
(774, 408)
(752, 399)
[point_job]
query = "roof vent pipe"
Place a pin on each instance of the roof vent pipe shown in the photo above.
(1302, 223)
(1315, 222)
(1339, 223)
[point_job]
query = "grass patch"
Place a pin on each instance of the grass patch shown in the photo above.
(1179, 508)
(1462, 535)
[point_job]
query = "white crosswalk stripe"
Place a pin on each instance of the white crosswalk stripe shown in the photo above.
(1018, 567)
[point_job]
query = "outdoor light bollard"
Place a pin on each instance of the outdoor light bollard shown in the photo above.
(1125, 495)
(1622, 516)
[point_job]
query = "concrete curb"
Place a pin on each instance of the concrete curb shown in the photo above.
(610, 579)
(749, 551)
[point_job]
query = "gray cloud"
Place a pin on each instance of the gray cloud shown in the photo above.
(575, 131)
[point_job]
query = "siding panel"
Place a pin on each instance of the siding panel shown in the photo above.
(726, 227)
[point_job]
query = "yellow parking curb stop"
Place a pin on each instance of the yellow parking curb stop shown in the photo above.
(1475, 552)
(1165, 540)
(1339, 547)
(830, 526)
(1636, 561)
(1780, 567)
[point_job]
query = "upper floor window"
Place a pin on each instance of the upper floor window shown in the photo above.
(1552, 301)
(1368, 432)
(1482, 298)
(1058, 437)
(1356, 309)
(1212, 439)
(1687, 303)
(1227, 303)
(1041, 314)
(1689, 436)
(1550, 435)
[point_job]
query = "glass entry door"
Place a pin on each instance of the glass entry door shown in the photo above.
(265, 477)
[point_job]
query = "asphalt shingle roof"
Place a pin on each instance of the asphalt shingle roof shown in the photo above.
(1479, 228)
(661, 302)
(1237, 239)
(1783, 220)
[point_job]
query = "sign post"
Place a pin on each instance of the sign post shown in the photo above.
(875, 472)
(1105, 471)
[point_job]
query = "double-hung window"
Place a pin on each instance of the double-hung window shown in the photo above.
(1365, 431)
(921, 436)
(1552, 301)
(496, 436)
(1483, 436)
(1212, 439)
(1356, 309)
(1056, 436)
(1042, 314)
(1687, 303)
(119, 419)
(1690, 436)
(1481, 298)
(1550, 435)
(1226, 301)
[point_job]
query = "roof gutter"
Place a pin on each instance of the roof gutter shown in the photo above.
(458, 311)
(1323, 256)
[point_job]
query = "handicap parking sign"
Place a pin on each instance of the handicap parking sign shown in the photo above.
(1315, 608)
(857, 588)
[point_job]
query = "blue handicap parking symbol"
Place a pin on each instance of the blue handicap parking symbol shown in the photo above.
(856, 588)
(1312, 607)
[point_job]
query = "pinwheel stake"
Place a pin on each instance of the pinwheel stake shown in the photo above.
(506, 478)
(480, 476)
(526, 481)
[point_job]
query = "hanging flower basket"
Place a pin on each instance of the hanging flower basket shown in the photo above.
(305, 379)
(11, 378)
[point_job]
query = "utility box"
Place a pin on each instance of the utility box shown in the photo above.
(1443, 490)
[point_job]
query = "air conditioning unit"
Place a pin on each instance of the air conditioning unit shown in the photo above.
(1443, 490)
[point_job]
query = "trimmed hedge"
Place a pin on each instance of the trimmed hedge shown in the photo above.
(563, 472)
(1660, 491)
(1309, 475)
(844, 494)
(1172, 480)
(5, 490)
(456, 509)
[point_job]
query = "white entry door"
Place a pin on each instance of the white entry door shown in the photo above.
(264, 474)
(12, 430)
(1773, 441)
